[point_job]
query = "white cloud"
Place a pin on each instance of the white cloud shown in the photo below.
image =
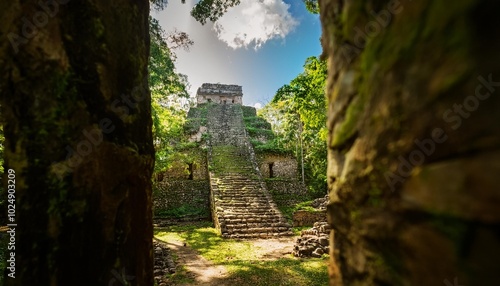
(254, 22)
(257, 105)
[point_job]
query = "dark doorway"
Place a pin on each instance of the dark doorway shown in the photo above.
(190, 169)
(271, 172)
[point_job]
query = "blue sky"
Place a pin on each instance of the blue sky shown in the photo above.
(260, 45)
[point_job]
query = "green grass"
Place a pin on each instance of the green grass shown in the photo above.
(288, 211)
(241, 260)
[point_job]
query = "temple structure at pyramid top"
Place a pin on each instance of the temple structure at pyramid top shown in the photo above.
(220, 93)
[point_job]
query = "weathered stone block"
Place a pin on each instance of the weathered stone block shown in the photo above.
(308, 218)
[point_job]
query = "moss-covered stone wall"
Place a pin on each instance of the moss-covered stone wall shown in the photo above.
(414, 141)
(182, 198)
(286, 191)
(281, 166)
(308, 218)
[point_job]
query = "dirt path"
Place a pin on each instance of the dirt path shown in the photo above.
(272, 249)
(199, 268)
(205, 272)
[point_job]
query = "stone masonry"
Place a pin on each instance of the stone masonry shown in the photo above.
(241, 204)
(219, 93)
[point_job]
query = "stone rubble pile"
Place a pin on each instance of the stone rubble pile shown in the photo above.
(313, 242)
(321, 203)
(163, 263)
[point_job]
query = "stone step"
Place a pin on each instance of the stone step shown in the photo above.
(255, 230)
(242, 204)
(256, 235)
(252, 217)
(249, 205)
(254, 222)
(245, 196)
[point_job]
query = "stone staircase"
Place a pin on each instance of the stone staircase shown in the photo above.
(241, 205)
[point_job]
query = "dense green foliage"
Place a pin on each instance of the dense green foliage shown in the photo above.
(298, 116)
(203, 10)
(312, 6)
(211, 9)
(169, 97)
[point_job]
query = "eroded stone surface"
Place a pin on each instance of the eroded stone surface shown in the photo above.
(313, 242)
(413, 141)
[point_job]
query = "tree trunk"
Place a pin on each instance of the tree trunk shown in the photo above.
(414, 141)
(76, 103)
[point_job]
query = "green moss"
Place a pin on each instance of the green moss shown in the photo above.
(228, 158)
(248, 111)
(348, 127)
(422, 40)
(353, 16)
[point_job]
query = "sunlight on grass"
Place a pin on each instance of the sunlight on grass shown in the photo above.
(211, 246)
(241, 261)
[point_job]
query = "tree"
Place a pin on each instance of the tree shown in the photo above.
(413, 140)
(312, 6)
(170, 99)
(211, 9)
(203, 10)
(77, 113)
(298, 115)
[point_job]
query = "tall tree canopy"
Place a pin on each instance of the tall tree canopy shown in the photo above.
(312, 6)
(170, 99)
(203, 10)
(298, 115)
